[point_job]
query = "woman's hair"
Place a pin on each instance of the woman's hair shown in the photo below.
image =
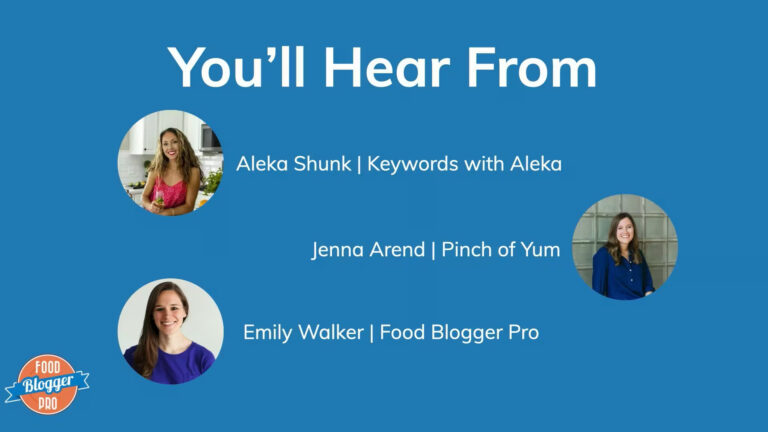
(613, 242)
(186, 159)
(145, 356)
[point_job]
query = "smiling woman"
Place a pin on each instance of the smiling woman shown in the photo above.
(619, 269)
(164, 354)
(174, 176)
(170, 162)
(625, 247)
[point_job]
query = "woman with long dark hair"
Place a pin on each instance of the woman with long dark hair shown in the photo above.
(619, 269)
(174, 176)
(164, 354)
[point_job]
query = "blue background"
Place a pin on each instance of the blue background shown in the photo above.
(678, 116)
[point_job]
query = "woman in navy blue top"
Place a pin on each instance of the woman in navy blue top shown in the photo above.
(164, 354)
(619, 270)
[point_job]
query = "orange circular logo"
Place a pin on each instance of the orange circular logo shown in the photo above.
(47, 384)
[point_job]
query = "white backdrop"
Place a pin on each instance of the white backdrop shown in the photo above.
(203, 324)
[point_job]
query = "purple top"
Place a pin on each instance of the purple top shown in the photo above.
(177, 368)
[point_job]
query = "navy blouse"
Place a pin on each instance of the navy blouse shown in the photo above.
(627, 281)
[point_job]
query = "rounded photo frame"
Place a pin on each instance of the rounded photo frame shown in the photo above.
(170, 163)
(624, 247)
(170, 331)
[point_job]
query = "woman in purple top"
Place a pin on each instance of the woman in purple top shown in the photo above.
(164, 354)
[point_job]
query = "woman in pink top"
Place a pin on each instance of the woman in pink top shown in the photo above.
(174, 176)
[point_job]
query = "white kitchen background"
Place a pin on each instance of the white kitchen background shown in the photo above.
(140, 143)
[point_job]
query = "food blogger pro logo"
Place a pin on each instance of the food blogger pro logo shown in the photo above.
(47, 384)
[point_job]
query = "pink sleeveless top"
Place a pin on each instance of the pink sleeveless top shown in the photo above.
(173, 196)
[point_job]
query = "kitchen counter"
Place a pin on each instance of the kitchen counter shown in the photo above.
(136, 194)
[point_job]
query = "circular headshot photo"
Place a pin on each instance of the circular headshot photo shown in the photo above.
(624, 247)
(170, 163)
(170, 331)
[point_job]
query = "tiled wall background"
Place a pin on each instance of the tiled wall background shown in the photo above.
(658, 239)
(131, 167)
